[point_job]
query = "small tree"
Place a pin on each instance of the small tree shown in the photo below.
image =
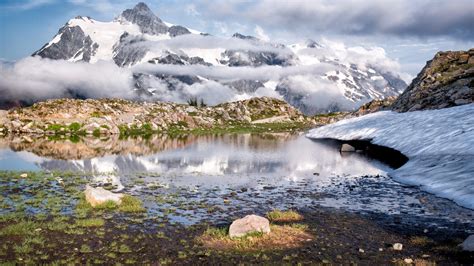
(193, 101)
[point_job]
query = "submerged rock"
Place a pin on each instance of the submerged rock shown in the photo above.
(468, 244)
(249, 224)
(97, 196)
(347, 148)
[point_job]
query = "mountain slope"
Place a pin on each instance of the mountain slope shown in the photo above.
(446, 80)
(311, 76)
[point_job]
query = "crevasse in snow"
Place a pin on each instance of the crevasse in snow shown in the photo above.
(439, 144)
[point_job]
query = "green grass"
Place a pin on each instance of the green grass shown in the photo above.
(217, 232)
(21, 228)
(91, 222)
(85, 249)
(284, 216)
(131, 204)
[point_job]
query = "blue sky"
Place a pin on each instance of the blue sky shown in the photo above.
(410, 31)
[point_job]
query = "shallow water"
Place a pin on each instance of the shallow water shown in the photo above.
(213, 178)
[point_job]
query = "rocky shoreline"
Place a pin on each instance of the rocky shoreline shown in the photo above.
(116, 116)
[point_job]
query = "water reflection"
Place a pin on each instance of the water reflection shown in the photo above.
(272, 155)
(270, 170)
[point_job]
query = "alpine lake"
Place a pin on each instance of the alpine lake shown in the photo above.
(325, 206)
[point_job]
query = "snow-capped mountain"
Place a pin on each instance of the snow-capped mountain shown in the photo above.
(174, 63)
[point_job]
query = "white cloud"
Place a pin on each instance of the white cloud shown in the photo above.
(391, 17)
(36, 78)
(260, 33)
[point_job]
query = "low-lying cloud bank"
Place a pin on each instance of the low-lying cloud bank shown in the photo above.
(34, 78)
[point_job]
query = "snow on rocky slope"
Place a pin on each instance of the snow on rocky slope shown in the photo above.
(184, 63)
(439, 144)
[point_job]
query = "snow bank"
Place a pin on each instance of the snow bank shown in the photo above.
(439, 144)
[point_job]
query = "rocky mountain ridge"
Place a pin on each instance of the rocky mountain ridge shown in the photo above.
(446, 80)
(114, 116)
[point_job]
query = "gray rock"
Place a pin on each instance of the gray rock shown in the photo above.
(249, 224)
(347, 148)
(468, 244)
(97, 196)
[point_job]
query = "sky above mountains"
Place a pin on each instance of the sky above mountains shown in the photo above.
(410, 31)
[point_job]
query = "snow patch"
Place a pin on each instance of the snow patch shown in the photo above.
(439, 144)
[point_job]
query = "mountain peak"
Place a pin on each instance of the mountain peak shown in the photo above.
(243, 37)
(142, 7)
(148, 22)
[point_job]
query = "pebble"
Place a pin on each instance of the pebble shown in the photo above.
(397, 246)
(24, 175)
(409, 261)
(361, 250)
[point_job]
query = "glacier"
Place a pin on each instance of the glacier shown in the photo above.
(438, 143)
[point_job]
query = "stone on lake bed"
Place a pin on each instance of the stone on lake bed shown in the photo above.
(468, 244)
(24, 175)
(347, 148)
(97, 196)
(249, 224)
(397, 246)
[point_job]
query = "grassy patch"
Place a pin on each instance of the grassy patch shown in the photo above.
(284, 216)
(130, 204)
(21, 228)
(91, 222)
(280, 237)
(420, 241)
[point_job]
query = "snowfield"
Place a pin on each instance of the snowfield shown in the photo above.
(438, 143)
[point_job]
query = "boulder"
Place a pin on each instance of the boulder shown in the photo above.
(249, 224)
(468, 244)
(347, 148)
(97, 196)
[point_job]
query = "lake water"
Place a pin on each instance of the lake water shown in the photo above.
(231, 175)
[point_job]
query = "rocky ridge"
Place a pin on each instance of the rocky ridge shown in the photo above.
(115, 116)
(446, 80)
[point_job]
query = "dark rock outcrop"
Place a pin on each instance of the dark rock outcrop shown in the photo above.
(446, 80)
(148, 22)
(72, 44)
(178, 30)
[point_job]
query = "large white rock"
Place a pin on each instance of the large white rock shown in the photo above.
(97, 196)
(468, 244)
(249, 224)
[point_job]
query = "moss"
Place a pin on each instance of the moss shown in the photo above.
(96, 133)
(85, 249)
(131, 204)
(97, 114)
(75, 126)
